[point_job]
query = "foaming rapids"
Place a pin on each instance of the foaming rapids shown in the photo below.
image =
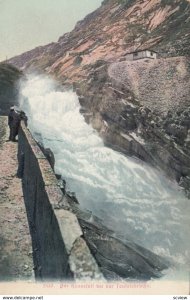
(131, 197)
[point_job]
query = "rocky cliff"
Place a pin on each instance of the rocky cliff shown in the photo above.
(139, 108)
(9, 76)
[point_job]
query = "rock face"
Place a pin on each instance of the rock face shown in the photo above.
(117, 257)
(141, 107)
(121, 258)
(9, 76)
(137, 114)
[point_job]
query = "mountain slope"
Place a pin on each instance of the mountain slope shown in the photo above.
(117, 27)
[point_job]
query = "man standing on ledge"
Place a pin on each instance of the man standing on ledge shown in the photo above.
(14, 123)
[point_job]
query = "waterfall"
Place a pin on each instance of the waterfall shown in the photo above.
(128, 195)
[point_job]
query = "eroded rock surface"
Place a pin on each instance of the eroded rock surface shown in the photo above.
(117, 257)
(137, 119)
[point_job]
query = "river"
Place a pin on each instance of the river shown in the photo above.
(131, 197)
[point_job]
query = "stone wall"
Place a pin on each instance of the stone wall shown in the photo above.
(59, 250)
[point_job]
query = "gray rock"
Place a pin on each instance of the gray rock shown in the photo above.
(121, 258)
(117, 257)
(177, 131)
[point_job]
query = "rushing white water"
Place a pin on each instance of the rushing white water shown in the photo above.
(131, 197)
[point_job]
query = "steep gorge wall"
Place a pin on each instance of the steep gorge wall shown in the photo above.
(9, 78)
(60, 252)
(142, 109)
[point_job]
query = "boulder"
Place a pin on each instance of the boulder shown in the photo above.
(121, 257)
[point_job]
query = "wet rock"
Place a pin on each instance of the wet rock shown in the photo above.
(185, 183)
(180, 132)
(128, 122)
(110, 275)
(50, 157)
(70, 196)
(58, 176)
(62, 185)
(73, 197)
(48, 153)
(117, 257)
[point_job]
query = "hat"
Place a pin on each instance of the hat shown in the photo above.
(12, 108)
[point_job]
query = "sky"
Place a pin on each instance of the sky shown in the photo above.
(25, 24)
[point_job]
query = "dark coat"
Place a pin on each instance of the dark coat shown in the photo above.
(14, 124)
(13, 119)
